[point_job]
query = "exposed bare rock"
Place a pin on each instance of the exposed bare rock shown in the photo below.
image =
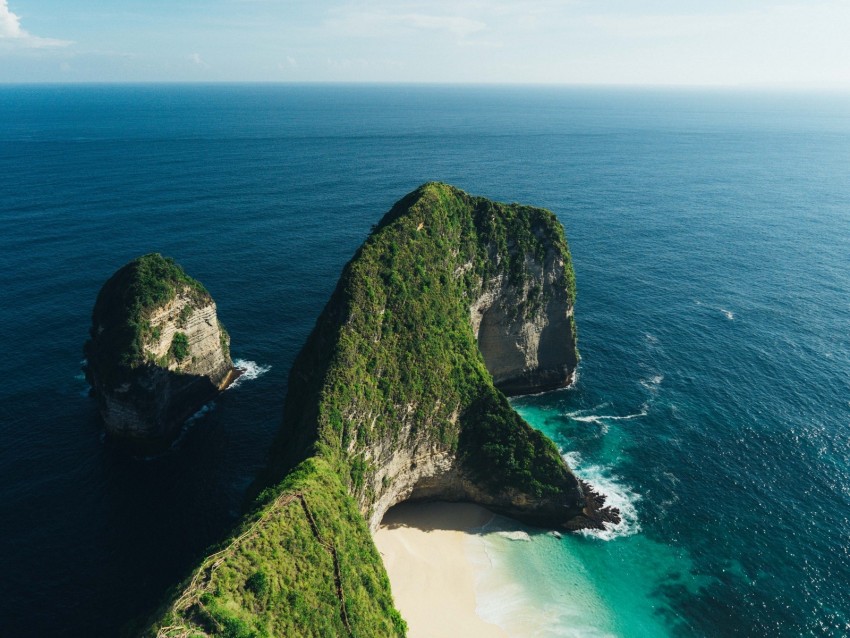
(399, 394)
(525, 329)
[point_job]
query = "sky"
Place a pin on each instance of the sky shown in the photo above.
(758, 43)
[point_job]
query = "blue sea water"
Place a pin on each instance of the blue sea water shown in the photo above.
(710, 233)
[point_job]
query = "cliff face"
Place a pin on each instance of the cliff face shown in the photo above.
(157, 351)
(452, 299)
(396, 395)
(525, 329)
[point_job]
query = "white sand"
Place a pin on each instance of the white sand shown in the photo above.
(427, 549)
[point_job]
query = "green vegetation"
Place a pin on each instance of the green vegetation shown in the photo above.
(393, 345)
(278, 575)
(224, 337)
(185, 313)
(120, 321)
(179, 346)
(396, 335)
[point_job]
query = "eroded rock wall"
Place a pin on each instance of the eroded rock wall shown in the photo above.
(524, 329)
(396, 396)
(525, 333)
(157, 400)
(209, 346)
(453, 302)
(157, 351)
(422, 470)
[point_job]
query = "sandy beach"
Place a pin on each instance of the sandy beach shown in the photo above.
(426, 549)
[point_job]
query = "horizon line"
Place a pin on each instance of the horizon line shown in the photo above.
(797, 88)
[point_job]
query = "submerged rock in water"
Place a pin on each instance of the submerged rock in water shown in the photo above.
(156, 352)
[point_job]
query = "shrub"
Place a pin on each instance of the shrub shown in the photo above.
(180, 346)
(258, 582)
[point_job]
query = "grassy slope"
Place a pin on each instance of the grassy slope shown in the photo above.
(277, 576)
(394, 342)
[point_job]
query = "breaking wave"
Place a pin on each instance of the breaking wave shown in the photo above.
(617, 494)
(600, 419)
(726, 313)
(250, 371)
(204, 410)
(652, 382)
(515, 535)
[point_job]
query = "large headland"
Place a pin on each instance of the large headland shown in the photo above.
(452, 303)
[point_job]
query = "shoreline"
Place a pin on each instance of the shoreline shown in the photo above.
(430, 550)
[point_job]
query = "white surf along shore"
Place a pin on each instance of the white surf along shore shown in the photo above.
(453, 572)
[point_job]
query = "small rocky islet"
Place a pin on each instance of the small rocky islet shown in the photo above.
(452, 303)
(156, 353)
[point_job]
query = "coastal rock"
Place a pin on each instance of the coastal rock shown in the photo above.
(156, 352)
(525, 329)
(399, 394)
(428, 418)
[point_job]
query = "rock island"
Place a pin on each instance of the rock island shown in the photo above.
(156, 352)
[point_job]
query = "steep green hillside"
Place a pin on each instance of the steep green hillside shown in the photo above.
(390, 399)
(303, 564)
(394, 355)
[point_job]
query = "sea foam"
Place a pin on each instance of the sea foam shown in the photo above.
(250, 371)
(517, 590)
(653, 382)
(204, 410)
(600, 418)
(515, 535)
(617, 494)
(188, 425)
(603, 419)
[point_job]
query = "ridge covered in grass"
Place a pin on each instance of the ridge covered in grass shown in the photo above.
(394, 345)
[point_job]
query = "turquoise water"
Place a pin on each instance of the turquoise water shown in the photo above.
(610, 583)
(540, 585)
(711, 238)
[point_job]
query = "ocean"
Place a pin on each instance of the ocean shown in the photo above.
(710, 232)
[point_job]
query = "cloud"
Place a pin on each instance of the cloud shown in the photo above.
(797, 43)
(457, 25)
(197, 59)
(12, 33)
(387, 22)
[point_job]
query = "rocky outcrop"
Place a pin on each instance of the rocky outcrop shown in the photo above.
(453, 301)
(397, 395)
(433, 474)
(525, 329)
(157, 351)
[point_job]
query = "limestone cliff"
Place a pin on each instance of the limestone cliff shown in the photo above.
(396, 395)
(157, 351)
(525, 328)
(451, 296)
